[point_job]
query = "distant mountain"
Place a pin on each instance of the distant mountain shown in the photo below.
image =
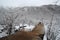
(35, 13)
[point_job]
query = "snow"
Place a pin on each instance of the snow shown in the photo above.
(16, 27)
(45, 38)
(3, 34)
(58, 37)
(30, 28)
(21, 25)
(27, 28)
(46, 30)
(1, 27)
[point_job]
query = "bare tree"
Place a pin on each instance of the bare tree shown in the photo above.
(9, 20)
(51, 22)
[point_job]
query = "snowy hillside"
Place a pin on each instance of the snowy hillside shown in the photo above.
(33, 15)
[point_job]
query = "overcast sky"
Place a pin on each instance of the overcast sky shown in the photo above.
(15, 3)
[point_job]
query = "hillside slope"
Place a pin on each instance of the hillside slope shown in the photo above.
(33, 15)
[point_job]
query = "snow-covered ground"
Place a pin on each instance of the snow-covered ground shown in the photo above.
(46, 31)
(34, 15)
(30, 28)
(27, 28)
(3, 34)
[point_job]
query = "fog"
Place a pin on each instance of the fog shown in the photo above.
(21, 3)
